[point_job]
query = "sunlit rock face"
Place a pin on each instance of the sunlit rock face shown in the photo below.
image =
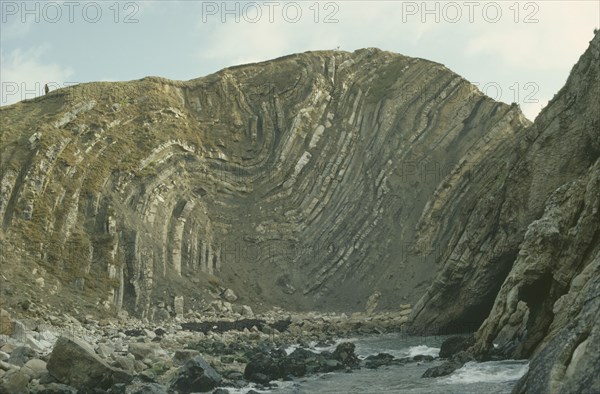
(296, 182)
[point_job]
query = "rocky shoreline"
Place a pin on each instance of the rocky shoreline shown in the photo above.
(64, 354)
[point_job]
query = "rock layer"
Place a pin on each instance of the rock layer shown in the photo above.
(297, 181)
(534, 239)
(532, 224)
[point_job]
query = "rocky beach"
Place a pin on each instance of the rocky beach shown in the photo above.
(60, 353)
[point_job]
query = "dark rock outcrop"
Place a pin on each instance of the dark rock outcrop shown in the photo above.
(196, 375)
(266, 366)
(379, 360)
(456, 344)
(344, 353)
(455, 362)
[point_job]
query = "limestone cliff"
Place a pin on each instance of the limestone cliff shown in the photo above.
(296, 182)
(495, 227)
(530, 248)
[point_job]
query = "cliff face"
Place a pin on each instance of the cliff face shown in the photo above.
(532, 224)
(536, 234)
(295, 182)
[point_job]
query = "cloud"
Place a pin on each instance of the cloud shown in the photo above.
(339, 24)
(24, 74)
(554, 42)
(15, 29)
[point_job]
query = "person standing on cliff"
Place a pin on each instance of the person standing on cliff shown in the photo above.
(46, 88)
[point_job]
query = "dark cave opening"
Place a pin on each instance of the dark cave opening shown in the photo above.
(537, 297)
(477, 309)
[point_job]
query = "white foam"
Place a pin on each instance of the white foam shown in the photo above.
(281, 386)
(491, 371)
(422, 350)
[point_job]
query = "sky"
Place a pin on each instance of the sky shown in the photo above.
(514, 51)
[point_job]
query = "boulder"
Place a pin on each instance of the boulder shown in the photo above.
(15, 382)
(126, 363)
(53, 388)
(196, 375)
(150, 388)
(456, 344)
(344, 353)
(379, 360)
(182, 356)
(20, 355)
(456, 362)
(229, 295)
(75, 363)
(104, 350)
(262, 368)
(34, 368)
(247, 311)
(142, 350)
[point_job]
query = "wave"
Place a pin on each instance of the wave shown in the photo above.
(490, 372)
(423, 350)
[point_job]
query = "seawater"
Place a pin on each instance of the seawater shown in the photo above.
(495, 377)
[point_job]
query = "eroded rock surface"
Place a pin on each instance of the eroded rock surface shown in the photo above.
(530, 248)
(295, 182)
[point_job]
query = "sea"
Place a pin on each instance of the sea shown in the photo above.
(494, 377)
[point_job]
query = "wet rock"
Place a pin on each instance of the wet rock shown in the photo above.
(196, 375)
(422, 357)
(456, 344)
(263, 368)
(74, 362)
(376, 361)
(260, 378)
(344, 353)
(234, 375)
(456, 362)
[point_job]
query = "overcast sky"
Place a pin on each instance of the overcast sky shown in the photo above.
(514, 51)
